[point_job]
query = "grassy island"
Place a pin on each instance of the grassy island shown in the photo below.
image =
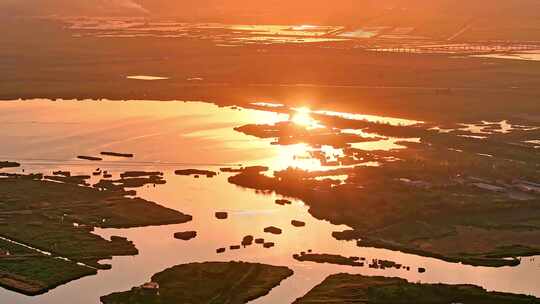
(347, 289)
(209, 282)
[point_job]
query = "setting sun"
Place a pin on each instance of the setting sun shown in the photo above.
(302, 117)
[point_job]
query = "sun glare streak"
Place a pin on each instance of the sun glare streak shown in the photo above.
(302, 117)
(301, 156)
(295, 156)
(371, 118)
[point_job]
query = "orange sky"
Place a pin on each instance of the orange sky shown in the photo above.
(294, 11)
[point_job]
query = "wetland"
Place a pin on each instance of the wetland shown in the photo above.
(467, 214)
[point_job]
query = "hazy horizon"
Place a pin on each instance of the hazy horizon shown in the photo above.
(300, 11)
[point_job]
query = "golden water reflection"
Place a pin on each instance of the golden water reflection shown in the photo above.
(167, 132)
(299, 156)
(384, 145)
(302, 117)
(371, 118)
(146, 77)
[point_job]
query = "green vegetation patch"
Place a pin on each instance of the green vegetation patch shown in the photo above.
(209, 282)
(348, 288)
(30, 272)
(59, 218)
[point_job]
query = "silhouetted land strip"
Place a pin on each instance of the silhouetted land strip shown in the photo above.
(119, 185)
(91, 158)
(247, 240)
(245, 169)
(329, 258)
(297, 223)
(272, 230)
(130, 179)
(283, 202)
(196, 172)
(208, 282)
(130, 174)
(116, 154)
(348, 288)
(9, 164)
(185, 235)
(268, 244)
(30, 272)
(221, 215)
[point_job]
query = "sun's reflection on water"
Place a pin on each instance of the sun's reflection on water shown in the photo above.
(313, 157)
(191, 132)
(302, 117)
(301, 156)
(387, 144)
